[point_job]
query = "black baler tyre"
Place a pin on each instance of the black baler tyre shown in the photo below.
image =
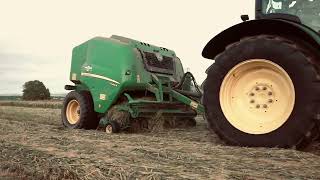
(78, 111)
(112, 127)
(299, 128)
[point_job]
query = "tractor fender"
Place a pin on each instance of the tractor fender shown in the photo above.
(257, 27)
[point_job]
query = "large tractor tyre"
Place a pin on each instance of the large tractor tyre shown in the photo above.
(202, 87)
(78, 111)
(263, 91)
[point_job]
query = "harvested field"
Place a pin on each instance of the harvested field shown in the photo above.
(33, 104)
(33, 145)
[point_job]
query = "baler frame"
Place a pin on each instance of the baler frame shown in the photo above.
(182, 107)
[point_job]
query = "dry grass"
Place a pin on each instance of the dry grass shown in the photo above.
(33, 145)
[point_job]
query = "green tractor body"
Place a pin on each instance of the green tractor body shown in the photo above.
(136, 77)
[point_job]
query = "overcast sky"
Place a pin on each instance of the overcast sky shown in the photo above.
(37, 36)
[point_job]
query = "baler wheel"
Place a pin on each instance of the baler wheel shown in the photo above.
(112, 127)
(117, 119)
(264, 91)
(78, 111)
(73, 112)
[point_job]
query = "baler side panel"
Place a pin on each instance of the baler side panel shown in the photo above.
(114, 68)
(105, 59)
(79, 56)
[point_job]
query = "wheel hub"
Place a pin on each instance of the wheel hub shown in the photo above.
(261, 96)
(257, 96)
(73, 112)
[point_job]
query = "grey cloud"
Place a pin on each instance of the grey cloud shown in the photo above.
(15, 69)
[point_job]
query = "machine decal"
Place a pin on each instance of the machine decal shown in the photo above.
(74, 76)
(88, 68)
(113, 84)
(138, 79)
(103, 96)
(99, 77)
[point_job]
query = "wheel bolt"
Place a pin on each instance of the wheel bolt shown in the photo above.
(264, 88)
(257, 88)
(258, 106)
(265, 106)
(252, 101)
(270, 101)
(251, 94)
(270, 93)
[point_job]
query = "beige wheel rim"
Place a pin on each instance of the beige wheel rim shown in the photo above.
(109, 129)
(73, 112)
(257, 96)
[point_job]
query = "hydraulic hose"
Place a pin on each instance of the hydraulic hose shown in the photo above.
(178, 86)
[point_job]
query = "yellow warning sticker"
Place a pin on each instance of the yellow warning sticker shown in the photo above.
(74, 76)
(102, 96)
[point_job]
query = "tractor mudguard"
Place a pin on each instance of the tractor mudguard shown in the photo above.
(257, 27)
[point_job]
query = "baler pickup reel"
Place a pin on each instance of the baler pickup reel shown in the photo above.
(174, 104)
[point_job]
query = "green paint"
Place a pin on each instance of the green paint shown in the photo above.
(112, 67)
(187, 101)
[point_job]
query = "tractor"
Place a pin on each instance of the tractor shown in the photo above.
(264, 86)
(263, 89)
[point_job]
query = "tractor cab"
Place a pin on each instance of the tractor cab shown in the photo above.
(306, 12)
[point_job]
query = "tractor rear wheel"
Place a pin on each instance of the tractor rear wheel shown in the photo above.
(78, 111)
(263, 91)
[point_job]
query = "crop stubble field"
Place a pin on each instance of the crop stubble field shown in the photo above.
(34, 145)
